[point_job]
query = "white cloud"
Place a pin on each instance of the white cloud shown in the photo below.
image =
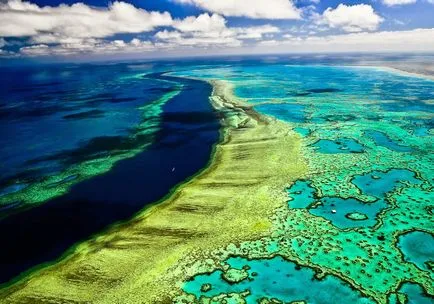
(255, 32)
(216, 37)
(398, 2)
(168, 35)
(202, 23)
(215, 26)
(350, 18)
(209, 30)
(202, 31)
(403, 41)
(258, 9)
(49, 24)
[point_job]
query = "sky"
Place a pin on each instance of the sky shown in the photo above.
(162, 28)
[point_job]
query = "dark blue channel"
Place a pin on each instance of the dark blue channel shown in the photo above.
(183, 146)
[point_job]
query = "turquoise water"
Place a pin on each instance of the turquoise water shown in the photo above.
(342, 145)
(350, 212)
(277, 278)
(301, 194)
(379, 183)
(343, 208)
(289, 112)
(418, 248)
(383, 140)
(415, 294)
(302, 131)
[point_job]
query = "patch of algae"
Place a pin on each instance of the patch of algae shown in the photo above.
(59, 184)
(147, 259)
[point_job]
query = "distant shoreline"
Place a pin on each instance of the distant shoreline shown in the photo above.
(407, 73)
(396, 70)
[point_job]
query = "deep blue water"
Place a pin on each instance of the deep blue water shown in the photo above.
(51, 109)
(188, 131)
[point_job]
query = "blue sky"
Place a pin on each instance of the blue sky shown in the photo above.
(41, 28)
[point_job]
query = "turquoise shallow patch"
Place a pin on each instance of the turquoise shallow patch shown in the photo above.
(291, 112)
(422, 131)
(383, 140)
(377, 183)
(343, 145)
(279, 279)
(415, 294)
(301, 194)
(339, 210)
(417, 247)
(303, 131)
(352, 213)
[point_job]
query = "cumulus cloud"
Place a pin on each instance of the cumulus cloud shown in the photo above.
(202, 31)
(77, 28)
(202, 23)
(398, 2)
(209, 30)
(350, 18)
(257, 9)
(168, 35)
(50, 24)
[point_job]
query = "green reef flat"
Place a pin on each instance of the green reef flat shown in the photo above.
(306, 200)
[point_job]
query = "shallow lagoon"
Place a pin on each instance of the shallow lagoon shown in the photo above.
(378, 183)
(278, 279)
(341, 145)
(418, 248)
